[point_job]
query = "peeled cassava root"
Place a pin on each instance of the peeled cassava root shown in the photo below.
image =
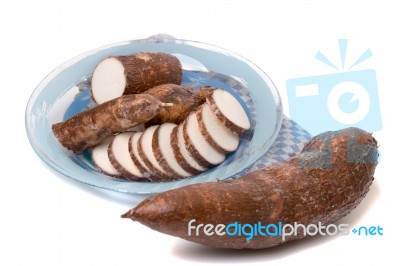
(90, 127)
(132, 74)
(322, 184)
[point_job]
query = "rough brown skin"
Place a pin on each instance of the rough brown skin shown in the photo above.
(149, 69)
(178, 155)
(184, 101)
(89, 128)
(304, 189)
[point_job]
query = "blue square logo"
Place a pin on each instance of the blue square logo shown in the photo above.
(335, 101)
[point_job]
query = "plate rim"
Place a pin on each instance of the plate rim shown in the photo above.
(43, 83)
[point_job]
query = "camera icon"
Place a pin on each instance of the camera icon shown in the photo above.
(334, 101)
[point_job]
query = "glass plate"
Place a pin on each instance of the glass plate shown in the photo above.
(65, 91)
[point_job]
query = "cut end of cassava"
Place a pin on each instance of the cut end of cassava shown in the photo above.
(197, 145)
(185, 149)
(101, 160)
(146, 153)
(181, 155)
(229, 111)
(118, 152)
(164, 153)
(108, 80)
(216, 134)
(133, 74)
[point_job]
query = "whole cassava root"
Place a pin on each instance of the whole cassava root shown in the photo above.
(183, 101)
(322, 184)
(90, 127)
(132, 74)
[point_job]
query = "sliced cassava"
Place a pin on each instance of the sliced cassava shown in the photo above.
(318, 187)
(100, 158)
(216, 134)
(89, 128)
(182, 155)
(229, 111)
(197, 145)
(164, 154)
(118, 153)
(135, 73)
(146, 153)
(133, 151)
(183, 101)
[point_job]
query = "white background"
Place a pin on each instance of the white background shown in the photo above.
(46, 219)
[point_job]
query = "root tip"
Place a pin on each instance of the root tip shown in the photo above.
(129, 214)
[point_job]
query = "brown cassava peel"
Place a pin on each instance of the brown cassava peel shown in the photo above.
(322, 184)
(183, 101)
(89, 128)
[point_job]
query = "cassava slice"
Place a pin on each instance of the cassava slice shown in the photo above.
(318, 187)
(183, 101)
(164, 154)
(89, 128)
(133, 151)
(182, 155)
(118, 152)
(146, 153)
(101, 160)
(135, 73)
(215, 133)
(229, 111)
(197, 145)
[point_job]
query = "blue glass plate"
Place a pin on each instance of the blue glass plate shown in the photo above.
(66, 91)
